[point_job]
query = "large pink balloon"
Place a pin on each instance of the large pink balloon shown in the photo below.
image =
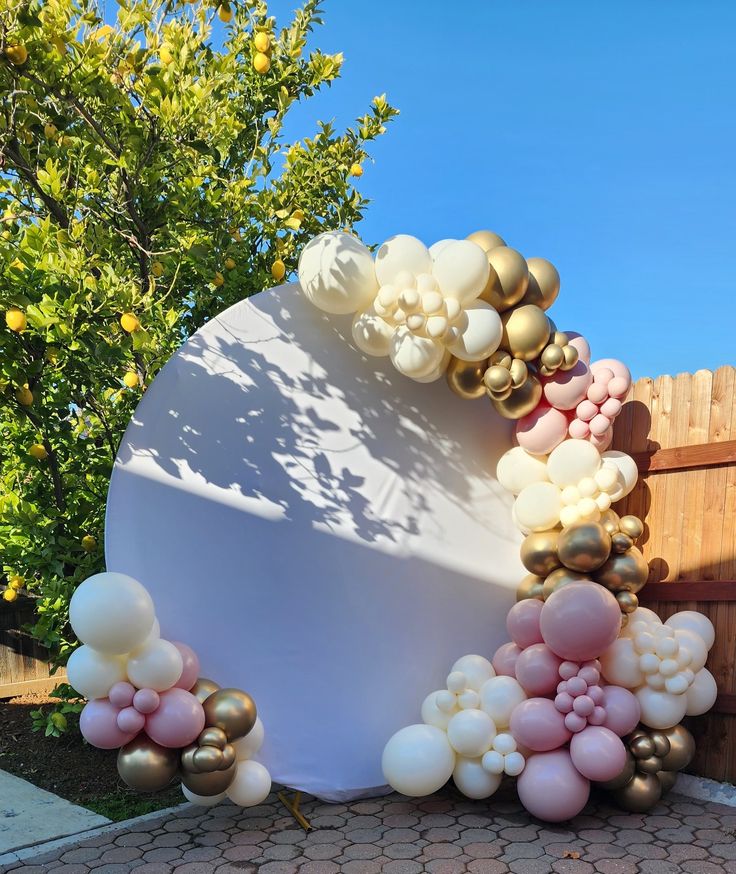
(536, 723)
(537, 669)
(598, 753)
(551, 788)
(504, 660)
(622, 710)
(178, 719)
(522, 622)
(579, 621)
(541, 430)
(190, 671)
(99, 726)
(566, 388)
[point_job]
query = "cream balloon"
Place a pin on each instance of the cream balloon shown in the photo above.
(246, 747)
(517, 469)
(572, 461)
(695, 645)
(432, 715)
(251, 784)
(480, 332)
(418, 760)
(436, 248)
(401, 253)
(620, 664)
(471, 732)
(336, 273)
(702, 694)
(660, 709)
(628, 472)
(477, 670)
(462, 270)
(414, 356)
(472, 779)
(538, 506)
(438, 371)
(499, 696)
(641, 614)
(202, 800)
(157, 665)
(371, 333)
(696, 622)
(93, 673)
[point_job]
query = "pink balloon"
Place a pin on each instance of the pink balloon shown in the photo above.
(601, 375)
(551, 788)
(581, 344)
(130, 720)
(566, 388)
(585, 410)
(618, 387)
(537, 669)
(617, 368)
(121, 694)
(611, 408)
(178, 719)
(99, 726)
(504, 660)
(597, 393)
(603, 442)
(578, 429)
(522, 622)
(598, 753)
(190, 672)
(622, 710)
(579, 621)
(536, 723)
(599, 425)
(541, 430)
(146, 700)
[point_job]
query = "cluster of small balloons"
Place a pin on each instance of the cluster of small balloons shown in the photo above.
(145, 698)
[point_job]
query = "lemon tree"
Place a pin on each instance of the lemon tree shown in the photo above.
(146, 183)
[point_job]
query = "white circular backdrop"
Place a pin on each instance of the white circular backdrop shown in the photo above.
(326, 534)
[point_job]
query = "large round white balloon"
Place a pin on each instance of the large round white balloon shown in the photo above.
(620, 664)
(572, 461)
(372, 334)
(691, 620)
(628, 472)
(660, 709)
(471, 732)
(336, 273)
(251, 784)
(246, 747)
(157, 665)
(472, 779)
(538, 506)
(477, 670)
(480, 332)
(93, 673)
(111, 612)
(418, 760)
(415, 356)
(499, 696)
(401, 253)
(462, 270)
(518, 469)
(701, 696)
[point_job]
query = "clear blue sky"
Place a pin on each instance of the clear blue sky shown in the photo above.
(600, 135)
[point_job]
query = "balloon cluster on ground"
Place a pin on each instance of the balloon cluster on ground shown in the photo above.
(145, 699)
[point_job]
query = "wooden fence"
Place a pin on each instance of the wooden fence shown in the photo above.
(682, 432)
(23, 662)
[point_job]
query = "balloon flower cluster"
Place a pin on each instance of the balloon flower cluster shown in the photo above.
(591, 688)
(146, 699)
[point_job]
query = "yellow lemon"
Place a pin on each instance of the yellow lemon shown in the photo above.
(157, 268)
(50, 131)
(15, 319)
(165, 54)
(230, 263)
(356, 170)
(131, 379)
(38, 451)
(262, 42)
(278, 270)
(225, 13)
(24, 396)
(17, 55)
(10, 595)
(219, 279)
(261, 63)
(129, 322)
(16, 582)
(51, 354)
(89, 543)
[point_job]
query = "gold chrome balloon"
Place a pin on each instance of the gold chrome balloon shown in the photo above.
(641, 747)
(621, 542)
(508, 278)
(497, 381)
(530, 587)
(228, 756)
(571, 357)
(544, 283)
(519, 372)
(208, 783)
(610, 520)
(526, 331)
(212, 737)
(640, 794)
(232, 710)
(624, 573)
(145, 766)
(521, 401)
(561, 577)
(584, 546)
(650, 765)
(206, 759)
(465, 378)
(487, 240)
(551, 359)
(203, 688)
(682, 748)
(661, 743)
(539, 552)
(623, 778)
(627, 601)
(667, 780)
(631, 525)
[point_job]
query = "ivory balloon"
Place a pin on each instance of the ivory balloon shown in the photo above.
(247, 747)
(521, 401)
(145, 766)
(572, 461)
(544, 283)
(691, 620)
(398, 254)
(517, 469)
(538, 506)
(418, 760)
(702, 694)
(462, 270)
(472, 779)
(480, 332)
(471, 732)
(628, 471)
(336, 273)
(508, 278)
(693, 644)
(202, 800)
(414, 356)
(620, 664)
(499, 696)
(477, 670)
(93, 673)
(251, 784)
(465, 378)
(432, 714)
(526, 331)
(660, 709)
(584, 546)
(158, 665)
(371, 333)
(539, 552)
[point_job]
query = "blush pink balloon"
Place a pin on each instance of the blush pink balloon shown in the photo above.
(504, 660)
(579, 621)
(581, 344)
(121, 694)
(146, 700)
(597, 393)
(541, 430)
(618, 387)
(551, 788)
(622, 710)
(522, 622)
(578, 429)
(567, 388)
(617, 368)
(178, 719)
(130, 720)
(611, 408)
(603, 442)
(99, 726)
(190, 671)
(598, 753)
(537, 724)
(537, 669)
(599, 425)
(586, 409)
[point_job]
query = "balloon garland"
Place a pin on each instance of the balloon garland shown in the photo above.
(591, 687)
(146, 699)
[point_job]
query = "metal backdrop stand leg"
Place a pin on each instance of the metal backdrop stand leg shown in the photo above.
(292, 805)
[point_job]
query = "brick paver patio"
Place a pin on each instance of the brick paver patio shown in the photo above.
(444, 834)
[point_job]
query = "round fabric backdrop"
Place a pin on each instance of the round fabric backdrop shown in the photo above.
(323, 532)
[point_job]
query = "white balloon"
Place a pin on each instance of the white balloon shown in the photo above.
(157, 665)
(641, 614)
(251, 784)
(246, 747)
(438, 371)
(112, 613)
(629, 472)
(336, 273)
(620, 664)
(477, 670)
(154, 633)
(415, 356)
(538, 506)
(660, 709)
(202, 800)
(702, 694)
(572, 461)
(371, 333)
(480, 332)
(432, 715)
(517, 469)
(499, 696)
(436, 248)
(695, 645)
(694, 621)
(515, 519)
(472, 779)
(93, 673)
(471, 732)
(514, 764)
(462, 270)
(418, 760)
(504, 743)
(399, 253)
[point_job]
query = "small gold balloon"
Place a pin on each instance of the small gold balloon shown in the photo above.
(497, 379)
(623, 778)
(682, 748)
(544, 283)
(642, 747)
(465, 378)
(145, 766)
(187, 757)
(626, 572)
(539, 552)
(552, 357)
(500, 356)
(609, 520)
(530, 587)
(212, 737)
(228, 756)
(206, 759)
(519, 372)
(631, 525)
(621, 542)
(508, 278)
(584, 546)
(487, 240)
(571, 356)
(526, 332)
(661, 743)
(561, 577)
(667, 780)
(650, 765)
(203, 688)
(640, 794)
(627, 601)
(208, 783)
(232, 710)
(521, 401)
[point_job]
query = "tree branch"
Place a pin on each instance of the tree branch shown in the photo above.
(26, 173)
